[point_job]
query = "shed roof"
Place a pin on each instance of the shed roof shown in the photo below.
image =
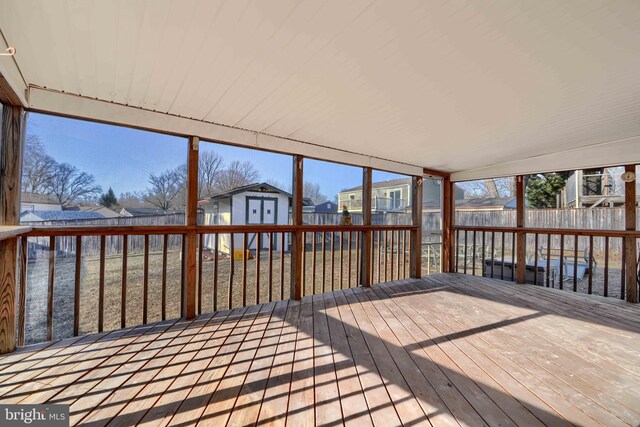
(61, 215)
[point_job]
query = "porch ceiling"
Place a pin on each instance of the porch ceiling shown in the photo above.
(476, 87)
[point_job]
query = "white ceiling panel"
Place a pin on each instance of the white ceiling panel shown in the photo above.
(465, 86)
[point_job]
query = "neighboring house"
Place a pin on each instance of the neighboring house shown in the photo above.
(326, 207)
(104, 211)
(38, 202)
(130, 212)
(486, 204)
(307, 205)
(253, 204)
(70, 215)
(393, 195)
(603, 187)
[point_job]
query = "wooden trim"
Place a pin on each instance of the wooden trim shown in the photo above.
(367, 236)
(521, 237)
(191, 242)
(630, 255)
(7, 95)
(434, 173)
(11, 136)
(297, 247)
(415, 263)
(448, 208)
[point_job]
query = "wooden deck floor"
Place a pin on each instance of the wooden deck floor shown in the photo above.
(446, 350)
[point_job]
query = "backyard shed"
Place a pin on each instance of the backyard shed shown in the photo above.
(253, 204)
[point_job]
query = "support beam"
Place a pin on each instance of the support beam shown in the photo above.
(521, 236)
(630, 253)
(415, 263)
(297, 247)
(448, 207)
(190, 247)
(11, 132)
(367, 236)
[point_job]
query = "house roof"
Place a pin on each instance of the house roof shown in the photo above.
(62, 215)
(103, 210)
(261, 187)
(26, 197)
(146, 212)
(382, 184)
(490, 203)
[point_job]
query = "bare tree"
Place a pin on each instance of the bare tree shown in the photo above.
(130, 200)
(209, 167)
(312, 191)
(236, 175)
(37, 167)
(68, 184)
(489, 188)
(164, 189)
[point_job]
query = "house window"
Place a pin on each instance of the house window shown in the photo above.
(352, 197)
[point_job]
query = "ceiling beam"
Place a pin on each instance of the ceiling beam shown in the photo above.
(69, 105)
(608, 154)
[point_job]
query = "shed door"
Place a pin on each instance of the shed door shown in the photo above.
(269, 212)
(254, 213)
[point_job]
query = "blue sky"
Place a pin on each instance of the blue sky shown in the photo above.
(122, 158)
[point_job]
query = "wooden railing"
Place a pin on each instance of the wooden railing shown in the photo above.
(588, 261)
(77, 280)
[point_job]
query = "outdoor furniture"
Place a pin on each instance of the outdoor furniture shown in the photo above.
(506, 269)
(568, 261)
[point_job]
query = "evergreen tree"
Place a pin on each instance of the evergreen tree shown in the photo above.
(108, 199)
(542, 189)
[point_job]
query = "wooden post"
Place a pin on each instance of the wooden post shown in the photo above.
(415, 263)
(521, 236)
(190, 247)
(448, 206)
(367, 236)
(297, 246)
(630, 255)
(11, 130)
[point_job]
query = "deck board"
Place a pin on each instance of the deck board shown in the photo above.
(445, 350)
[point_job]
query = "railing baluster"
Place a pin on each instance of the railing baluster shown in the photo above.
(145, 279)
(386, 255)
(483, 252)
(333, 264)
(391, 245)
(324, 261)
(535, 259)
(215, 271)
(270, 266)
(606, 266)
(493, 251)
(165, 244)
(232, 269)
(379, 259)
(457, 243)
(502, 258)
(473, 254)
(357, 234)
(341, 259)
(575, 264)
(101, 284)
(549, 260)
(513, 257)
(24, 253)
(123, 292)
(622, 272)
(282, 244)
(200, 260)
(349, 258)
(244, 268)
(76, 299)
(408, 253)
(258, 245)
(561, 280)
(52, 272)
(464, 262)
(313, 262)
(590, 286)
